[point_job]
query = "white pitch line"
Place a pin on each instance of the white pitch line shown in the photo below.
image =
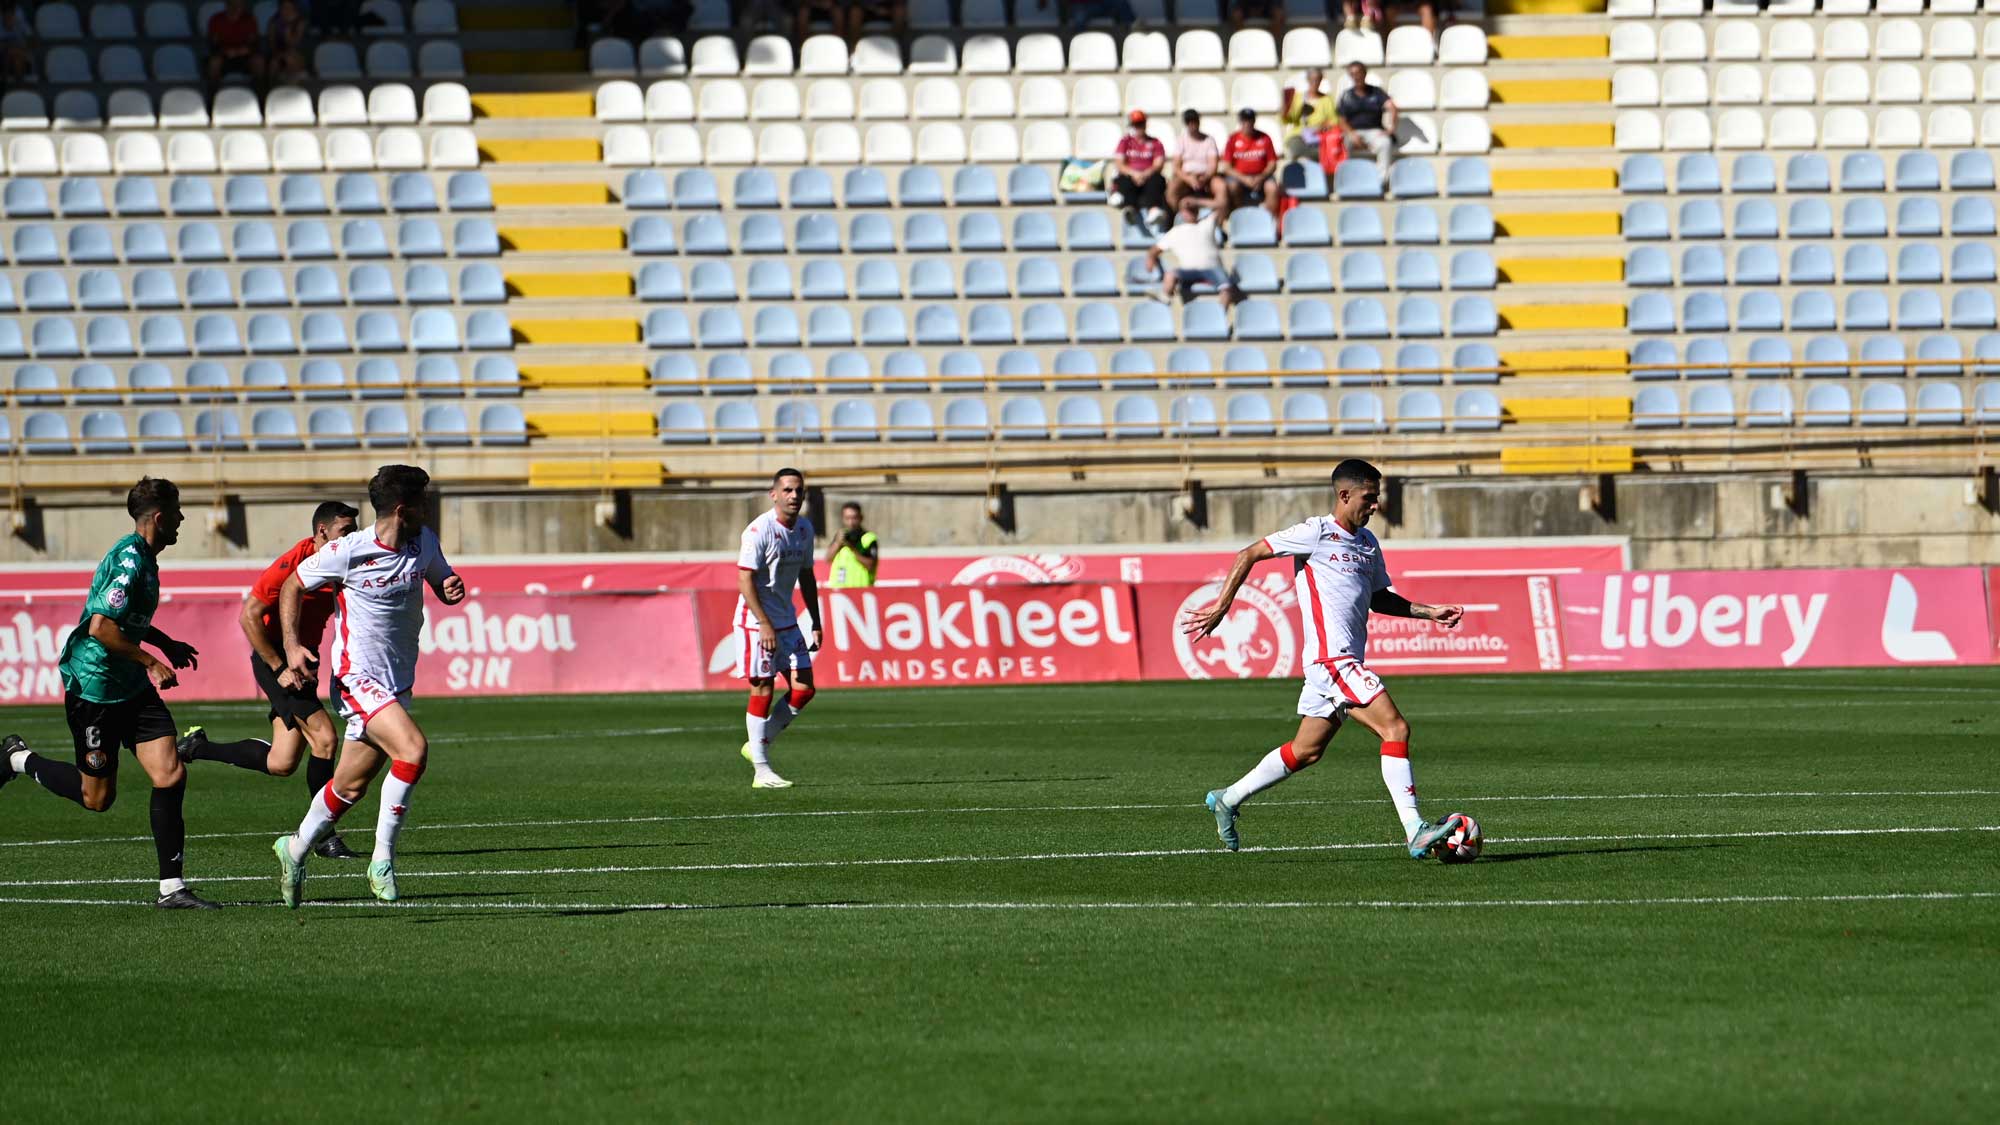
(1327, 904)
(1037, 857)
(970, 810)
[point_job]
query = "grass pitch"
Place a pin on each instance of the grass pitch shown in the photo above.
(1724, 897)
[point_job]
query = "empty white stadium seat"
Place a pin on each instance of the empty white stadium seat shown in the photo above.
(454, 148)
(1150, 51)
(447, 103)
(824, 54)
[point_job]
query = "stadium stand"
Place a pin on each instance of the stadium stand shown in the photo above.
(1608, 244)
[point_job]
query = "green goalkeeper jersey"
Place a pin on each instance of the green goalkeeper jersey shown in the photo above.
(126, 589)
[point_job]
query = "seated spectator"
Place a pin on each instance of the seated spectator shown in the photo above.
(1427, 14)
(1271, 10)
(1080, 12)
(1197, 258)
(1368, 117)
(285, 42)
(17, 42)
(1138, 177)
(1311, 112)
(232, 44)
(1197, 171)
(1359, 11)
(1250, 164)
(848, 17)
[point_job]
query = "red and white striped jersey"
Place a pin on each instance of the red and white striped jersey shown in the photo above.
(381, 607)
(774, 554)
(1335, 574)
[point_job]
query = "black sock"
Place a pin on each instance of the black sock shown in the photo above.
(319, 771)
(169, 829)
(249, 753)
(60, 778)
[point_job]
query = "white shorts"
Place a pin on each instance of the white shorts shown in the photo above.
(753, 663)
(362, 697)
(1332, 688)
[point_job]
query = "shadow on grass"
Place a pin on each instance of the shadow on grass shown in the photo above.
(568, 848)
(1515, 857)
(988, 780)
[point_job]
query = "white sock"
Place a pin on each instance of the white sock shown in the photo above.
(322, 813)
(169, 886)
(1268, 771)
(19, 760)
(781, 717)
(759, 727)
(395, 805)
(1402, 790)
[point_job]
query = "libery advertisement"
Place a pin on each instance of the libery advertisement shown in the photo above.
(1775, 618)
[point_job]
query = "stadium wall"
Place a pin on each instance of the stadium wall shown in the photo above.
(1678, 522)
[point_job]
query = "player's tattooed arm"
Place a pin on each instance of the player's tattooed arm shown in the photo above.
(1389, 603)
(179, 653)
(809, 589)
(1199, 623)
(299, 659)
(105, 631)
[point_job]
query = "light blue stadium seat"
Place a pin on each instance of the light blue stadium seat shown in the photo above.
(162, 335)
(712, 281)
(1808, 171)
(35, 244)
(1471, 222)
(1191, 367)
(1191, 415)
(385, 423)
(975, 186)
(1646, 220)
(1022, 419)
(1769, 405)
(265, 382)
(307, 238)
(444, 423)
(1306, 413)
(1019, 370)
(1303, 365)
(11, 343)
(270, 333)
(160, 431)
(1756, 218)
(758, 234)
(1862, 171)
(1827, 404)
(150, 382)
(45, 290)
(853, 420)
(925, 233)
(695, 190)
(1420, 317)
(705, 234)
(809, 188)
(877, 280)
(1642, 174)
(1077, 418)
(1358, 364)
(1864, 263)
(1470, 269)
(721, 328)
(1918, 217)
(993, 323)
(1708, 357)
(1035, 230)
(1651, 312)
(1358, 226)
(1868, 310)
(1752, 172)
(821, 280)
(1357, 179)
(911, 420)
(1943, 349)
(961, 370)
(315, 285)
(1249, 415)
(251, 242)
(31, 378)
(1711, 405)
(135, 196)
(1252, 226)
(218, 429)
(1864, 218)
(1359, 272)
(1306, 226)
(1361, 318)
(1700, 265)
(1697, 173)
(1655, 353)
(379, 332)
(770, 280)
(27, 199)
(1887, 356)
(729, 374)
(871, 234)
(681, 423)
(481, 284)
(1088, 230)
(1971, 262)
(966, 419)
(1986, 403)
(92, 383)
(1304, 180)
(44, 432)
(90, 243)
(1972, 308)
(1468, 175)
(1649, 266)
(931, 279)
(412, 191)
(1200, 320)
(1029, 185)
(775, 326)
(1919, 262)
(1828, 356)
(864, 187)
(55, 339)
(1809, 218)
(80, 197)
(645, 190)
(215, 334)
(7, 302)
(155, 289)
(792, 373)
(1409, 179)
(1972, 215)
(1473, 316)
(355, 193)
(1041, 323)
(323, 379)
(1476, 410)
(1042, 277)
(919, 186)
(1971, 170)
(817, 234)
(1360, 412)
(363, 238)
(1939, 404)
(1700, 218)
(902, 372)
(675, 374)
(884, 326)
(423, 238)
(1247, 367)
(300, 195)
(108, 336)
(468, 191)
(1136, 416)
(371, 284)
(1915, 171)
(937, 325)
(1416, 225)
(378, 377)
(1812, 311)
(1419, 412)
(188, 195)
(1304, 273)
(1258, 319)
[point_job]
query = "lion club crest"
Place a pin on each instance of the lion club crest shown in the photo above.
(1254, 642)
(1008, 570)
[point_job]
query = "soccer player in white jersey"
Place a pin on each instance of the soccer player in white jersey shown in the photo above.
(380, 571)
(777, 555)
(1339, 575)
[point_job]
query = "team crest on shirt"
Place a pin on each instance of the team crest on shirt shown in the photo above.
(116, 597)
(1254, 642)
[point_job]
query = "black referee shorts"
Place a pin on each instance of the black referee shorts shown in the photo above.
(293, 705)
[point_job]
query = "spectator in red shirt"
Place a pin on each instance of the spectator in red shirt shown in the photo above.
(232, 44)
(1139, 179)
(1250, 164)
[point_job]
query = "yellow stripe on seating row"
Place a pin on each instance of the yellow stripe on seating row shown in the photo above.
(1552, 179)
(1570, 408)
(526, 62)
(1560, 271)
(577, 330)
(1556, 224)
(1580, 134)
(551, 195)
(594, 424)
(551, 150)
(572, 239)
(1513, 47)
(1566, 363)
(1567, 459)
(569, 376)
(604, 283)
(595, 474)
(534, 105)
(1546, 91)
(1551, 318)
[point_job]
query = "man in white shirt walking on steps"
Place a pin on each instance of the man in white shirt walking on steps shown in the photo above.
(1197, 257)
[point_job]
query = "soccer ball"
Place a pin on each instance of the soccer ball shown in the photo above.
(1463, 843)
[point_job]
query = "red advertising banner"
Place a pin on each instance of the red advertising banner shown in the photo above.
(1510, 626)
(1775, 619)
(486, 645)
(953, 635)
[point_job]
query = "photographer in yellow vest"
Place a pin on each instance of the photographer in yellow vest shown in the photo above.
(853, 554)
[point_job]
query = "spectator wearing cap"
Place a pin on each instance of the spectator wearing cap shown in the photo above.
(1139, 181)
(1197, 171)
(1309, 113)
(1368, 116)
(1250, 166)
(1197, 257)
